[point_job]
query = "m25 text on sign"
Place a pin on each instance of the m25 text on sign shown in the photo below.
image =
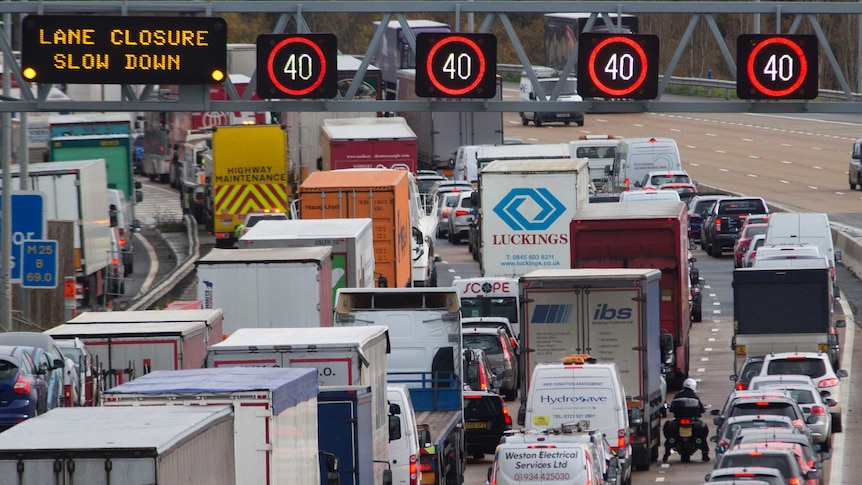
(123, 50)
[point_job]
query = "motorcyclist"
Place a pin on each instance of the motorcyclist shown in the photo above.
(689, 390)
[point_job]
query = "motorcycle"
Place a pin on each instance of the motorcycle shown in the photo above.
(686, 433)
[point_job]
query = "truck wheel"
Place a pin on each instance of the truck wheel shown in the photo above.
(524, 120)
(537, 120)
(715, 250)
(567, 123)
(697, 315)
(642, 467)
(456, 238)
(510, 395)
(837, 427)
(130, 267)
(581, 123)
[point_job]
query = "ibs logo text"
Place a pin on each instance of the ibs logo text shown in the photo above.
(518, 207)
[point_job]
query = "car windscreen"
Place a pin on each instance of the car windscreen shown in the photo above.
(482, 407)
(755, 408)
(570, 87)
(702, 206)
(8, 370)
(731, 428)
(424, 185)
(755, 230)
(506, 307)
(779, 462)
(812, 368)
(265, 217)
(489, 343)
(741, 206)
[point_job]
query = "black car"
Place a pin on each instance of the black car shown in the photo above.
(486, 419)
(721, 225)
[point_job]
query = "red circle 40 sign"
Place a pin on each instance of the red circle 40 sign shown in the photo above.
(776, 66)
(618, 65)
(297, 66)
(456, 65)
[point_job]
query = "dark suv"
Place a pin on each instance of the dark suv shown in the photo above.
(486, 420)
(722, 223)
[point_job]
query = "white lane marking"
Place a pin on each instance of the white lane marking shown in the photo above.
(720, 151)
(694, 164)
(784, 181)
(747, 139)
(154, 265)
(786, 162)
(716, 312)
(711, 339)
(716, 303)
(451, 270)
(753, 175)
(812, 187)
(704, 359)
(817, 167)
(716, 330)
(753, 156)
(691, 146)
(723, 170)
(675, 129)
(701, 369)
(839, 193)
(708, 349)
(712, 134)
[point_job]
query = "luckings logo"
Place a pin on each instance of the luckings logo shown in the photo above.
(511, 209)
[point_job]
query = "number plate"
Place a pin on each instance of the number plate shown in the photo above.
(685, 432)
(483, 425)
(562, 115)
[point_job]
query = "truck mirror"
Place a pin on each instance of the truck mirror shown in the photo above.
(382, 282)
(474, 198)
(394, 409)
(425, 438)
(139, 196)
(395, 427)
(635, 416)
(136, 225)
(387, 477)
(138, 184)
(842, 373)
(713, 439)
(838, 256)
(112, 215)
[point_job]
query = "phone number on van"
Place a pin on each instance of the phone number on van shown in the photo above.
(541, 476)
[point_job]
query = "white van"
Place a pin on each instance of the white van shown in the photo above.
(650, 195)
(403, 450)
(121, 221)
(599, 150)
(580, 389)
(635, 157)
(550, 458)
(548, 78)
(802, 228)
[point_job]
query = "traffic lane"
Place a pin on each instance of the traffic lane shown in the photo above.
(799, 162)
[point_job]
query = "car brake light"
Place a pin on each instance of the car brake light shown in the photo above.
(483, 381)
(446, 212)
(684, 421)
(741, 386)
(793, 481)
(717, 223)
(459, 213)
(755, 453)
(22, 385)
(798, 424)
(830, 382)
(506, 354)
(621, 438)
(414, 470)
(818, 410)
(743, 474)
(541, 446)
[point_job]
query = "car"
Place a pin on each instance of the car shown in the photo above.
(756, 242)
(680, 188)
(770, 401)
(771, 435)
(653, 179)
(855, 172)
(696, 294)
(479, 373)
(495, 342)
(810, 467)
(448, 185)
(76, 351)
(750, 368)
(721, 225)
(787, 251)
(445, 203)
(813, 405)
(424, 180)
(784, 460)
(697, 206)
(23, 387)
(486, 420)
(757, 421)
(817, 366)
(491, 322)
(649, 195)
(255, 217)
(749, 475)
(47, 358)
(138, 153)
(461, 217)
(746, 234)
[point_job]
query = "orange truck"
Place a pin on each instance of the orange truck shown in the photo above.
(382, 195)
(246, 172)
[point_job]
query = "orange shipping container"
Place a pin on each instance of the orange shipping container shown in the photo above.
(382, 195)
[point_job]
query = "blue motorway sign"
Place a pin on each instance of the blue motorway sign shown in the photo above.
(39, 264)
(28, 222)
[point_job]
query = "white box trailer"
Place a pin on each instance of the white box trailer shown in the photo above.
(275, 415)
(77, 191)
(268, 288)
(526, 209)
(131, 446)
(128, 348)
(352, 242)
(343, 356)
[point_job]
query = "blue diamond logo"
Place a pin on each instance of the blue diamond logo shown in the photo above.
(510, 209)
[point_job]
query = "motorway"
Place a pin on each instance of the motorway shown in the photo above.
(798, 162)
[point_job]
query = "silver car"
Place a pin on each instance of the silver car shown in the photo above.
(446, 203)
(814, 407)
(461, 217)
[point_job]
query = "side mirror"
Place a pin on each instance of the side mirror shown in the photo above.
(139, 195)
(830, 402)
(838, 256)
(497, 383)
(138, 184)
(635, 416)
(394, 408)
(713, 439)
(58, 364)
(734, 377)
(474, 198)
(813, 474)
(841, 323)
(706, 477)
(136, 225)
(522, 414)
(438, 259)
(842, 373)
(425, 438)
(825, 456)
(608, 170)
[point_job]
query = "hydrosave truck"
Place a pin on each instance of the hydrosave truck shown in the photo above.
(525, 210)
(425, 337)
(274, 414)
(612, 315)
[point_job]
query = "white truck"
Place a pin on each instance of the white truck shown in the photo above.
(126, 345)
(272, 287)
(425, 355)
(439, 134)
(274, 411)
(526, 207)
(490, 297)
(78, 191)
(140, 446)
(352, 242)
(341, 356)
(612, 315)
